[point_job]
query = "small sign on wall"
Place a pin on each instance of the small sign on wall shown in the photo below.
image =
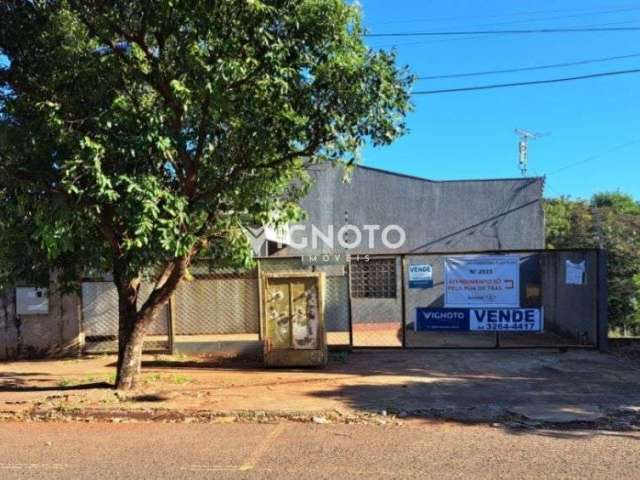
(575, 273)
(420, 276)
(32, 301)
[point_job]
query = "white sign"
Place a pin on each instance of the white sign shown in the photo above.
(575, 272)
(420, 276)
(505, 320)
(32, 301)
(482, 281)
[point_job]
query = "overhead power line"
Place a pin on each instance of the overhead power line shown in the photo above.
(452, 38)
(504, 32)
(524, 69)
(580, 11)
(615, 148)
(532, 82)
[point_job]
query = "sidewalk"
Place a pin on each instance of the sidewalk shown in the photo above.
(472, 386)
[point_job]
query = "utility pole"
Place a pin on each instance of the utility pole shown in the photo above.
(523, 147)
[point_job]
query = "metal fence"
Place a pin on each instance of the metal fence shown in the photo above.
(217, 304)
(573, 314)
(370, 302)
(100, 319)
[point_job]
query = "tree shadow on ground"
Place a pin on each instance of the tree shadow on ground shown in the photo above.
(53, 388)
(40, 382)
(542, 402)
(148, 397)
(203, 363)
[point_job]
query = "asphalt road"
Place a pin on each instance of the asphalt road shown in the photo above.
(289, 450)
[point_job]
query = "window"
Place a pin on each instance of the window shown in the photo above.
(374, 279)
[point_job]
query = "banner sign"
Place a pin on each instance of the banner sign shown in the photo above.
(479, 319)
(482, 281)
(420, 276)
(442, 319)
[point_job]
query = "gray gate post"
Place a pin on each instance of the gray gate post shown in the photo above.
(602, 302)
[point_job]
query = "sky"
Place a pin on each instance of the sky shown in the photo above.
(592, 127)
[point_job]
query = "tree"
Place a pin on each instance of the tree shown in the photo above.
(138, 135)
(569, 223)
(610, 220)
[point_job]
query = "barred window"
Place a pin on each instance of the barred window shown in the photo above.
(374, 279)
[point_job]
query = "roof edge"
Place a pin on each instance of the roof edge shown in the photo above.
(415, 177)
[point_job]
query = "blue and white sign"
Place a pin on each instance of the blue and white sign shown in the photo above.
(505, 320)
(483, 281)
(479, 319)
(420, 276)
(442, 319)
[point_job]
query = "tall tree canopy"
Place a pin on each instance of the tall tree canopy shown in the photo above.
(136, 135)
(610, 220)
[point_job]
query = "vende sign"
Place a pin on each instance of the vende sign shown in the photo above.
(505, 320)
(482, 281)
(479, 319)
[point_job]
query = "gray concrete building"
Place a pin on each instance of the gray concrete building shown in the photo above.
(437, 216)
(368, 304)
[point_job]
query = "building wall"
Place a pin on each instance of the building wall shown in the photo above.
(58, 333)
(437, 216)
(571, 309)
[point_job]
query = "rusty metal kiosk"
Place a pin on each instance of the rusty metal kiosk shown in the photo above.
(293, 319)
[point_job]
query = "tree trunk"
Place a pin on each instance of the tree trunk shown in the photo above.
(130, 336)
(133, 322)
(130, 356)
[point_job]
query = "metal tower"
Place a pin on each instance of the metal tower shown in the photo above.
(523, 147)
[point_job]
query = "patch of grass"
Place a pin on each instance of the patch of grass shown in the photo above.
(181, 379)
(153, 378)
(111, 378)
(65, 408)
(65, 382)
(176, 379)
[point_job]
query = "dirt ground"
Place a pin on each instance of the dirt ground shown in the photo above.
(538, 387)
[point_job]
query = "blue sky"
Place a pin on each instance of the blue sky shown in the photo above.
(593, 124)
(594, 136)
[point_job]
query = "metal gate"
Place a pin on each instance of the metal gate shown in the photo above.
(100, 319)
(373, 302)
(376, 302)
(565, 288)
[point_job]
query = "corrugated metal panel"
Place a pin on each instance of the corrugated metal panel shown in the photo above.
(222, 305)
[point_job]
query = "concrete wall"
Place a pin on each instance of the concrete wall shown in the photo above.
(32, 336)
(571, 309)
(438, 216)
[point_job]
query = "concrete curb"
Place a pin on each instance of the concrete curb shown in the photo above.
(615, 420)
